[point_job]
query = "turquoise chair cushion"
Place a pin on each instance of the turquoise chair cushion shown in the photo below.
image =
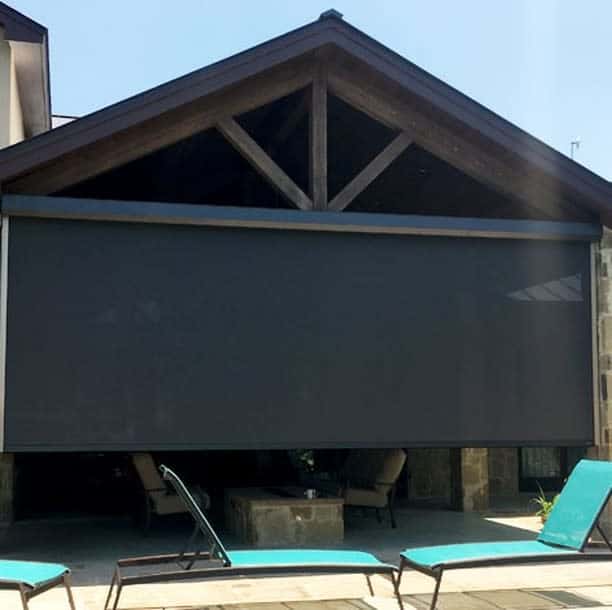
(579, 505)
(435, 556)
(30, 573)
(301, 558)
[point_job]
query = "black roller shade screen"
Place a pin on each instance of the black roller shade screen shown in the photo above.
(135, 336)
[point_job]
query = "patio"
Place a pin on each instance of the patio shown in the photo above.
(90, 548)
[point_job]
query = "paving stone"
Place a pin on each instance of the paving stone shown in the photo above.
(359, 603)
(515, 600)
(261, 606)
(321, 605)
(601, 594)
(567, 598)
(457, 601)
(410, 601)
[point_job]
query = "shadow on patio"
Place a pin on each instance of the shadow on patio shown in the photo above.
(90, 547)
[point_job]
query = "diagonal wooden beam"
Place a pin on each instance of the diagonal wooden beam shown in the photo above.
(262, 162)
(290, 124)
(370, 172)
(164, 130)
(378, 99)
(318, 139)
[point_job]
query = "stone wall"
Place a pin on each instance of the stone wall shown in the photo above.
(7, 488)
(504, 472)
(457, 478)
(603, 272)
(262, 519)
(474, 479)
(430, 476)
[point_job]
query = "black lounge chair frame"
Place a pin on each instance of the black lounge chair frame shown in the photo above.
(437, 573)
(600, 554)
(187, 559)
(27, 592)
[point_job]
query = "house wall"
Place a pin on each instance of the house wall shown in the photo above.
(16, 129)
(458, 478)
(603, 273)
(11, 131)
(5, 90)
(11, 118)
(430, 475)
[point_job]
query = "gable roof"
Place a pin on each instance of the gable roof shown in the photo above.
(20, 28)
(588, 189)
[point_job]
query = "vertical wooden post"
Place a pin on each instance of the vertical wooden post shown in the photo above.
(7, 488)
(4, 251)
(469, 479)
(318, 139)
(601, 299)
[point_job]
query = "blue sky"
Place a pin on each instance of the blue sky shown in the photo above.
(545, 65)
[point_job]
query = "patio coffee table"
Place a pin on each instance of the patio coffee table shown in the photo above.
(283, 516)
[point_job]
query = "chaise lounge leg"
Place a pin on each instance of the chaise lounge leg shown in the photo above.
(396, 582)
(115, 583)
(24, 597)
(66, 581)
(110, 589)
(116, 603)
(434, 599)
(369, 580)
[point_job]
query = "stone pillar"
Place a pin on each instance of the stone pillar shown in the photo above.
(7, 488)
(471, 475)
(603, 275)
(504, 472)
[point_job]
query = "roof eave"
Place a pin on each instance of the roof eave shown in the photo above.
(24, 157)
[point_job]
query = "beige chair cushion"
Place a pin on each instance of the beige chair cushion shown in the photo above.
(147, 471)
(391, 467)
(370, 474)
(167, 504)
(164, 501)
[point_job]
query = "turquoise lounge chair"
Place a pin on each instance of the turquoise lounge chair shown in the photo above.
(231, 564)
(32, 579)
(564, 537)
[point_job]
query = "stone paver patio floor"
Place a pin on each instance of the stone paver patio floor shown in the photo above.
(533, 599)
(91, 548)
(549, 599)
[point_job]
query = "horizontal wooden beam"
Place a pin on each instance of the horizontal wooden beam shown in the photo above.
(370, 172)
(268, 218)
(263, 163)
(163, 130)
(374, 96)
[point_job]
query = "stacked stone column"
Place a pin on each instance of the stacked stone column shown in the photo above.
(603, 275)
(474, 479)
(7, 488)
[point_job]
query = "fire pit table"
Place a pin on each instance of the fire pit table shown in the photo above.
(283, 516)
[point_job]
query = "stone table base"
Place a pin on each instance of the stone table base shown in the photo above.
(260, 518)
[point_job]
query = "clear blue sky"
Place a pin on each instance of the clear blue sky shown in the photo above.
(545, 65)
